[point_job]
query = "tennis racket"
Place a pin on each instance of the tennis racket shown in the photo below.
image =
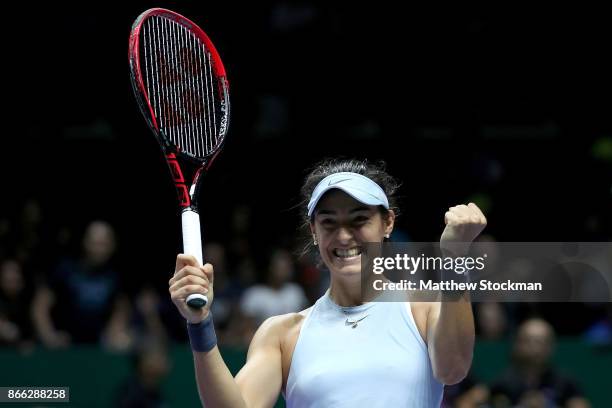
(182, 90)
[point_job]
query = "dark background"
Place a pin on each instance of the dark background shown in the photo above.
(504, 106)
(507, 106)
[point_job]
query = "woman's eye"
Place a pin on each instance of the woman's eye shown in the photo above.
(360, 220)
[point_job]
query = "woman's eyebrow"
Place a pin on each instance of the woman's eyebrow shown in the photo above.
(357, 209)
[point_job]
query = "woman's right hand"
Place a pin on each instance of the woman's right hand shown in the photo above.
(190, 277)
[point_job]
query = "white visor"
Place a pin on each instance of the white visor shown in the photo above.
(356, 185)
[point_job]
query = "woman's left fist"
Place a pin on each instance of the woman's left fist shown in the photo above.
(463, 224)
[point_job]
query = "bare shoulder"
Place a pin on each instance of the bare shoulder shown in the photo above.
(290, 325)
(268, 359)
(280, 327)
(286, 323)
(279, 334)
(295, 320)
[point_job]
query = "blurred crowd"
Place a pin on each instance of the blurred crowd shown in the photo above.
(55, 295)
(84, 295)
(487, 89)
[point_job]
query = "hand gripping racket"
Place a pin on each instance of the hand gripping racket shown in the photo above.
(182, 90)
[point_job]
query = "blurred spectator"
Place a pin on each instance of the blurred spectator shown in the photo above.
(240, 246)
(15, 301)
(600, 333)
(147, 321)
(5, 236)
(25, 236)
(246, 272)
(468, 393)
(227, 289)
(239, 330)
(278, 295)
(531, 380)
(29, 234)
(143, 388)
(310, 276)
(234, 328)
(239, 254)
(491, 321)
(82, 300)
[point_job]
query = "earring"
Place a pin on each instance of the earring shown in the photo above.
(387, 236)
(314, 240)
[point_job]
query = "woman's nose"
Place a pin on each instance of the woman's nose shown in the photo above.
(345, 234)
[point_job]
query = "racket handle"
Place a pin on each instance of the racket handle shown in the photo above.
(192, 245)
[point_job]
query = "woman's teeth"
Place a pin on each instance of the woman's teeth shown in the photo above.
(347, 253)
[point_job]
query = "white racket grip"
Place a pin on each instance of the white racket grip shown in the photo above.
(192, 245)
(192, 240)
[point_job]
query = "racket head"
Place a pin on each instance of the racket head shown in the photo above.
(180, 84)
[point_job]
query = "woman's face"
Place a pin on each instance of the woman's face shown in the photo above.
(342, 225)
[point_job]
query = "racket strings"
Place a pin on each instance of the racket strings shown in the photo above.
(183, 90)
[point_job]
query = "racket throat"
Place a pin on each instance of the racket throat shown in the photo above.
(186, 195)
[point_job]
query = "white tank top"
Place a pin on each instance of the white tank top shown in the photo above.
(381, 362)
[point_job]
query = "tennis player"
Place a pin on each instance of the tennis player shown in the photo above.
(343, 351)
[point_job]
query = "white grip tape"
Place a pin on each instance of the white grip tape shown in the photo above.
(192, 245)
(192, 241)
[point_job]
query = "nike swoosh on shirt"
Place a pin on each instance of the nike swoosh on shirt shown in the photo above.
(348, 322)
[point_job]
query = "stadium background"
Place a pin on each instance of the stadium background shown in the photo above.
(507, 107)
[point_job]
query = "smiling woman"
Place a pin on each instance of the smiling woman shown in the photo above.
(348, 205)
(345, 350)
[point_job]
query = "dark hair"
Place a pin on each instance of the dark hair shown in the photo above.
(374, 171)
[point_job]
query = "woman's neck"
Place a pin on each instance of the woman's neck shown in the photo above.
(345, 293)
(344, 296)
(351, 293)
